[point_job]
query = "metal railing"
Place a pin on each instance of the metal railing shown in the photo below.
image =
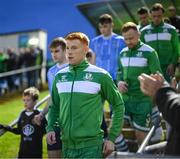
(14, 122)
(22, 70)
(153, 147)
(39, 76)
(149, 135)
(144, 149)
(146, 140)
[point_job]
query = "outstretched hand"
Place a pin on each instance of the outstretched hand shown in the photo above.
(150, 84)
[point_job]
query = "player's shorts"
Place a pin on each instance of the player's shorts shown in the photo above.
(86, 152)
(58, 144)
(138, 114)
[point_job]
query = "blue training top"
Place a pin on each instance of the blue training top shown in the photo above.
(52, 72)
(107, 50)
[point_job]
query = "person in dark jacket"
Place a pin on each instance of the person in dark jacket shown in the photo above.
(11, 65)
(168, 102)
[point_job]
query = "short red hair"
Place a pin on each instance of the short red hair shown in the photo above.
(78, 35)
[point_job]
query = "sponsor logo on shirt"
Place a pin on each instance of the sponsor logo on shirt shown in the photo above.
(63, 78)
(28, 130)
(27, 138)
(165, 30)
(88, 77)
(139, 54)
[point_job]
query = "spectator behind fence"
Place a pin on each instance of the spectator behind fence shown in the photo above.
(168, 102)
(3, 68)
(20, 64)
(39, 62)
(77, 94)
(31, 134)
(12, 63)
(29, 61)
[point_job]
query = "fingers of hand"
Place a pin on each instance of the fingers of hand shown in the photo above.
(54, 137)
(122, 87)
(36, 121)
(51, 138)
(108, 148)
(145, 84)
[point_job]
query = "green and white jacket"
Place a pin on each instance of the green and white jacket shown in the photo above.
(77, 100)
(133, 62)
(164, 39)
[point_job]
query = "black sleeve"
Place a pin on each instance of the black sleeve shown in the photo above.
(43, 125)
(16, 130)
(11, 129)
(168, 102)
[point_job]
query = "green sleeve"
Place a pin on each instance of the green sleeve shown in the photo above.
(142, 37)
(53, 112)
(119, 75)
(153, 62)
(175, 43)
(112, 95)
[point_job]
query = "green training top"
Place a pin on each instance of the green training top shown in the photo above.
(77, 100)
(133, 62)
(164, 39)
